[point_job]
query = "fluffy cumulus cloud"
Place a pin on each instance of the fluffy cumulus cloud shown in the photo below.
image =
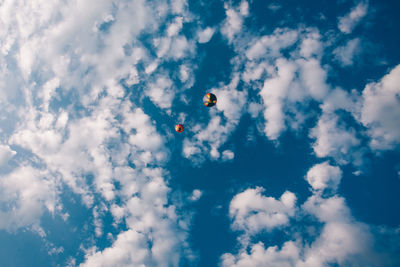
(25, 194)
(341, 240)
(380, 111)
(80, 81)
(273, 92)
(153, 238)
(161, 92)
(234, 19)
(283, 90)
(88, 93)
(335, 139)
(196, 195)
(205, 35)
(130, 249)
(348, 22)
(285, 84)
(253, 212)
(287, 256)
(324, 176)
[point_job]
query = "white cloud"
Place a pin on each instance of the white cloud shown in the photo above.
(172, 46)
(380, 111)
(287, 256)
(244, 8)
(252, 212)
(180, 47)
(335, 139)
(224, 119)
(289, 82)
(161, 92)
(208, 139)
(230, 100)
(313, 77)
(232, 25)
(204, 36)
(254, 109)
(271, 45)
(273, 93)
(154, 229)
(175, 27)
(342, 240)
(133, 77)
(130, 249)
(254, 71)
(228, 155)
(326, 210)
(178, 6)
(324, 176)
(234, 20)
(348, 22)
(190, 148)
(311, 45)
(338, 99)
(184, 73)
(345, 54)
(25, 194)
(74, 121)
(6, 153)
(196, 195)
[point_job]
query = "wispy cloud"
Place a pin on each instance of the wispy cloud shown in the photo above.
(347, 53)
(348, 22)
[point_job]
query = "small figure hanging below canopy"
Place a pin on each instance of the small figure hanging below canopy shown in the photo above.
(209, 100)
(179, 128)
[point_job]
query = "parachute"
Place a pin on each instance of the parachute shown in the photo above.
(179, 128)
(209, 100)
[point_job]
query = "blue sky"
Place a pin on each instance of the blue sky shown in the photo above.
(297, 164)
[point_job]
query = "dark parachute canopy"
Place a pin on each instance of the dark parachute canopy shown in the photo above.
(179, 128)
(209, 100)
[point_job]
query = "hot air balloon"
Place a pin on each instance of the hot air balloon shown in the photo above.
(209, 100)
(179, 128)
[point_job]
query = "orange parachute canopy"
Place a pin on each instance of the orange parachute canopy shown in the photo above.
(179, 128)
(209, 100)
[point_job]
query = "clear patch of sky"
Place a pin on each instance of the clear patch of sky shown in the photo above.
(373, 196)
(23, 248)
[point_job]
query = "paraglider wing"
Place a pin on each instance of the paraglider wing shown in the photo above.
(179, 128)
(209, 100)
